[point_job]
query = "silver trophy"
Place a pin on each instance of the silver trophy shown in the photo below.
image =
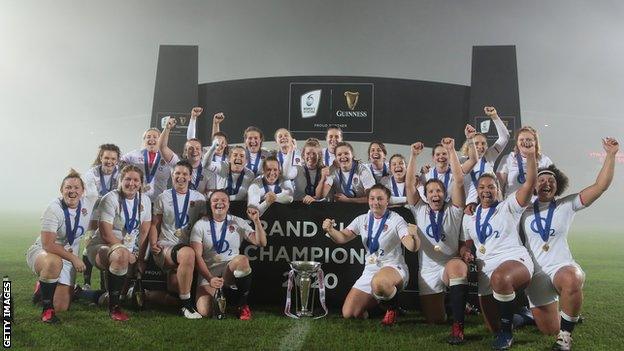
(301, 277)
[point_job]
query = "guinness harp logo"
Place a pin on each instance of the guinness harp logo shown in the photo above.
(352, 99)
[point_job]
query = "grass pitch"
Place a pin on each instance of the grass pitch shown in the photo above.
(89, 328)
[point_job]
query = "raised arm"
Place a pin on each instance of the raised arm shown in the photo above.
(467, 166)
(523, 195)
(413, 196)
(260, 238)
(492, 152)
(605, 176)
(288, 170)
(163, 140)
(337, 236)
(207, 159)
(458, 196)
(216, 122)
(191, 131)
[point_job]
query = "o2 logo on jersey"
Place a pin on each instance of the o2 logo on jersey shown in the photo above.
(429, 231)
(225, 247)
(536, 230)
(489, 231)
(79, 231)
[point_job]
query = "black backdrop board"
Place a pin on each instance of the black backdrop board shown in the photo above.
(175, 89)
(402, 110)
(294, 232)
(495, 83)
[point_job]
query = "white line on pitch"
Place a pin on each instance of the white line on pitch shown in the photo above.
(293, 341)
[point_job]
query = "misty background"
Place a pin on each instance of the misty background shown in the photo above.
(76, 74)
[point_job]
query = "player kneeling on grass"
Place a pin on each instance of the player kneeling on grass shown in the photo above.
(175, 213)
(385, 272)
(216, 239)
(505, 265)
(546, 225)
(439, 226)
(53, 256)
(121, 238)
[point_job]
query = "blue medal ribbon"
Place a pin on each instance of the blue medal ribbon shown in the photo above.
(436, 223)
(521, 177)
(482, 228)
(266, 187)
(447, 176)
(544, 231)
(69, 231)
(327, 157)
(198, 177)
(475, 175)
(395, 188)
(150, 173)
(384, 171)
(254, 167)
(181, 217)
(230, 181)
(372, 243)
(310, 188)
(218, 243)
(103, 189)
(346, 189)
(130, 223)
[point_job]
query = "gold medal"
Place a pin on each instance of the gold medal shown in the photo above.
(128, 239)
(372, 259)
(482, 249)
(146, 188)
(545, 247)
(437, 248)
(68, 248)
(178, 233)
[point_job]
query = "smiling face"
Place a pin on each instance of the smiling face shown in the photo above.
(487, 190)
(397, 167)
(180, 178)
(376, 153)
(131, 184)
(283, 138)
(72, 190)
(271, 171)
(440, 157)
(546, 187)
(480, 144)
(150, 140)
(222, 144)
(378, 202)
(108, 160)
(311, 155)
(192, 149)
(238, 158)
(219, 205)
(344, 155)
(333, 137)
(434, 191)
(525, 137)
(253, 141)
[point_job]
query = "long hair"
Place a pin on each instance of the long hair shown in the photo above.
(316, 145)
(106, 147)
(532, 131)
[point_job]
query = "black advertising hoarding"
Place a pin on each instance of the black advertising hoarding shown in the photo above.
(313, 107)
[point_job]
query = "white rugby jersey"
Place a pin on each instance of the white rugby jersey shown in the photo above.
(398, 194)
(111, 211)
(509, 166)
(501, 233)
(237, 229)
(489, 158)
(445, 177)
(378, 174)
(558, 250)
(328, 157)
(362, 179)
(53, 220)
(390, 250)
(196, 208)
(429, 258)
(256, 193)
(93, 181)
(223, 174)
(163, 172)
(301, 180)
(252, 159)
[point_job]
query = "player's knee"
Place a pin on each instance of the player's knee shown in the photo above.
(380, 285)
(501, 281)
(52, 263)
(241, 263)
(457, 269)
(186, 256)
